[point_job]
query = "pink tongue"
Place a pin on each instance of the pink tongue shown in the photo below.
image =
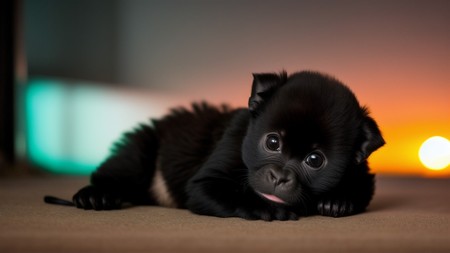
(273, 198)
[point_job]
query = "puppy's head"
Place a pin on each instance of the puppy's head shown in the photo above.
(306, 131)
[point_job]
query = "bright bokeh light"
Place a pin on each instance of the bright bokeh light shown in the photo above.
(435, 153)
(72, 125)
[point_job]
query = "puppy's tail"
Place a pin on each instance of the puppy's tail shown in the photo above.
(57, 201)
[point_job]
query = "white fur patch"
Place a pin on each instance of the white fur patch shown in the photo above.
(159, 190)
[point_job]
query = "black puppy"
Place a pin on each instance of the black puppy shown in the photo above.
(299, 149)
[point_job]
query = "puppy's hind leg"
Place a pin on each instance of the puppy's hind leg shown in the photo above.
(125, 176)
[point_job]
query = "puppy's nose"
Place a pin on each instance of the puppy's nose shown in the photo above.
(279, 177)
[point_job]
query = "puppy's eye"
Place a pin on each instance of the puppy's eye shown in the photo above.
(273, 142)
(315, 160)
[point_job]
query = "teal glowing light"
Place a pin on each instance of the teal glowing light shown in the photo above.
(48, 124)
(70, 125)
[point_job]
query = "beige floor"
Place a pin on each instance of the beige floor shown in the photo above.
(407, 215)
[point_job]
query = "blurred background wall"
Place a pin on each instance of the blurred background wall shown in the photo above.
(395, 55)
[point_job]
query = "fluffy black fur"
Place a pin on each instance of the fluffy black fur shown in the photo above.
(299, 149)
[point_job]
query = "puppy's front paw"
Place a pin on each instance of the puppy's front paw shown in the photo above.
(91, 197)
(335, 207)
(267, 214)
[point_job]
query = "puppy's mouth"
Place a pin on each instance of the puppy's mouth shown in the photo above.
(272, 198)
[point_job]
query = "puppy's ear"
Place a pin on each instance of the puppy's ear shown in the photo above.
(371, 139)
(263, 87)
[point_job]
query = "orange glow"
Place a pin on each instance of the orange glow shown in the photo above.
(410, 106)
(400, 155)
